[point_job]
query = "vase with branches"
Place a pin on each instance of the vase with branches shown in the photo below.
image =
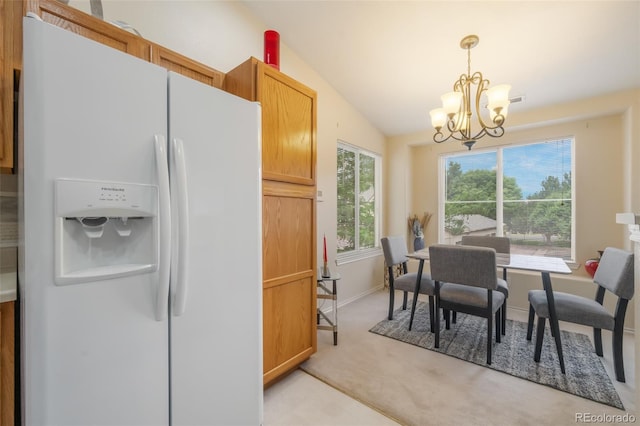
(417, 226)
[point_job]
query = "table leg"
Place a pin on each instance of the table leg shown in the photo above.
(335, 313)
(553, 318)
(332, 323)
(416, 292)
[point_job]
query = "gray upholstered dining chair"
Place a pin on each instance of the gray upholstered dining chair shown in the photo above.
(614, 274)
(395, 253)
(501, 245)
(466, 280)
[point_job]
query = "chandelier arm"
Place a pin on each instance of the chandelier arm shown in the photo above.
(483, 85)
(454, 124)
(498, 120)
(494, 132)
(439, 137)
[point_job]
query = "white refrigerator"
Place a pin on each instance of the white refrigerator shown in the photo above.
(140, 263)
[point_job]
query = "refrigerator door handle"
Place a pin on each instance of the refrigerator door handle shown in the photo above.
(181, 198)
(164, 242)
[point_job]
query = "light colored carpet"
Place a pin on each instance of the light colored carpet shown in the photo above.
(585, 375)
(415, 386)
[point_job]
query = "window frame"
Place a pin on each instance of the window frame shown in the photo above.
(442, 167)
(357, 253)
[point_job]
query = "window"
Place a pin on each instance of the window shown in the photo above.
(358, 202)
(524, 192)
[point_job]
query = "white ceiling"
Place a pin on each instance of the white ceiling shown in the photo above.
(393, 59)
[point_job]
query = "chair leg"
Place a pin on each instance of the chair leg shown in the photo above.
(454, 317)
(437, 331)
(530, 322)
(404, 300)
(391, 296)
(618, 361)
(597, 341)
(504, 317)
(498, 325)
(431, 313)
(539, 337)
(447, 319)
(489, 338)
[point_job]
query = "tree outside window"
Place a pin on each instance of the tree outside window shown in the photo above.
(358, 174)
(523, 192)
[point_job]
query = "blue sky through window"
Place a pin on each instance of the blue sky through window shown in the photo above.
(529, 164)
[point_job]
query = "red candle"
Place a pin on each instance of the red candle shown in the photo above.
(325, 250)
(272, 48)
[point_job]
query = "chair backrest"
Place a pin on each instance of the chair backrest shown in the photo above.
(615, 272)
(395, 250)
(475, 266)
(499, 244)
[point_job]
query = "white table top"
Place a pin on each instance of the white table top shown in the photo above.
(526, 262)
(517, 261)
(334, 276)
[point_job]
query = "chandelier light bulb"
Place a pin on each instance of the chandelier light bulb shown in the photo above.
(438, 118)
(498, 96)
(451, 102)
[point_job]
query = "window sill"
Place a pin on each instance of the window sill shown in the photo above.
(358, 255)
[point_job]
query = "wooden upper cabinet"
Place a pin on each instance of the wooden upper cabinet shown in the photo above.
(76, 21)
(288, 120)
(6, 128)
(105, 33)
(188, 67)
(10, 57)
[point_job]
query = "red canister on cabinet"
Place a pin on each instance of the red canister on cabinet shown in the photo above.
(272, 48)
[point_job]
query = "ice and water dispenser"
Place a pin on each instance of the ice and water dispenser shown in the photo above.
(104, 230)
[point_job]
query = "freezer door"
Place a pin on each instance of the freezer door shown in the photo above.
(216, 320)
(93, 352)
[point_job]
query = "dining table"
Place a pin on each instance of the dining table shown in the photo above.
(546, 265)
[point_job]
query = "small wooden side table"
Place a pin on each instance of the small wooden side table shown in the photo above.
(332, 294)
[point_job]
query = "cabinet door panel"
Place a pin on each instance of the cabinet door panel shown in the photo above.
(188, 67)
(288, 236)
(10, 57)
(7, 365)
(288, 128)
(91, 27)
(288, 326)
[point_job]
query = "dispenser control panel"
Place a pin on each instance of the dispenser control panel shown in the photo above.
(79, 198)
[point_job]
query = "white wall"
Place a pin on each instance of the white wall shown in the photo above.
(223, 34)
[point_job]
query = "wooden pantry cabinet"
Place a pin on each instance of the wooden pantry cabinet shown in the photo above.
(288, 212)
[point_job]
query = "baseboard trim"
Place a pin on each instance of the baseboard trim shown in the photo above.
(356, 297)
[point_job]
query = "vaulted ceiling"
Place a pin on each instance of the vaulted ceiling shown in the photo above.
(392, 60)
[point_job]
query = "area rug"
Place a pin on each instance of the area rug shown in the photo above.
(585, 375)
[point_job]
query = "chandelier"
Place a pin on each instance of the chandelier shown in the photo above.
(455, 114)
